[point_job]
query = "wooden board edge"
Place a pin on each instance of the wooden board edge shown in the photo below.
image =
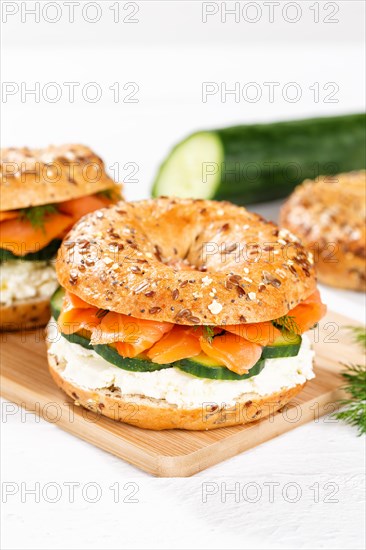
(266, 429)
(191, 463)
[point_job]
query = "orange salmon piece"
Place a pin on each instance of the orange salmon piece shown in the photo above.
(237, 354)
(76, 315)
(20, 237)
(75, 319)
(308, 313)
(76, 302)
(10, 215)
(77, 208)
(132, 336)
(178, 343)
(257, 333)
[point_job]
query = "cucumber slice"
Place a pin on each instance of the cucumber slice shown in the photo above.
(185, 172)
(56, 302)
(46, 253)
(261, 162)
(203, 367)
(286, 345)
(135, 364)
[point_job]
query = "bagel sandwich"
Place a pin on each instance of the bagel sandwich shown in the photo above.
(179, 313)
(43, 193)
(329, 215)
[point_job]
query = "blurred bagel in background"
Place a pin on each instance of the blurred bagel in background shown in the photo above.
(329, 216)
(43, 192)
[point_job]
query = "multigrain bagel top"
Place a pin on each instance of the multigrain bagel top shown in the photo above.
(330, 209)
(31, 177)
(185, 261)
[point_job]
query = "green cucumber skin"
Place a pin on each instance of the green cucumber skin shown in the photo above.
(287, 345)
(46, 253)
(56, 302)
(272, 352)
(315, 146)
(280, 155)
(217, 373)
(126, 363)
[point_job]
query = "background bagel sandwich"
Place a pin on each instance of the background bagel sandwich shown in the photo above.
(43, 193)
(177, 313)
(329, 215)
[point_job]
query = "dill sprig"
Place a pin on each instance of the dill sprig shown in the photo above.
(359, 334)
(354, 412)
(110, 194)
(208, 332)
(36, 214)
(355, 406)
(288, 323)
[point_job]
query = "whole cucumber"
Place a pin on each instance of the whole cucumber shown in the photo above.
(261, 162)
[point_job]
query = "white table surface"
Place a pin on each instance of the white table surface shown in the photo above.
(169, 54)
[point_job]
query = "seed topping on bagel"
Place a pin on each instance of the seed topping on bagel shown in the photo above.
(57, 173)
(185, 261)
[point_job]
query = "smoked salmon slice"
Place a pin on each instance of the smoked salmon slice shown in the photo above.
(77, 315)
(10, 215)
(237, 354)
(179, 343)
(20, 237)
(73, 301)
(308, 313)
(132, 336)
(77, 319)
(239, 348)
(77, 208)
(257, 333)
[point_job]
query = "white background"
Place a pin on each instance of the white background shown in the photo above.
(169, 53)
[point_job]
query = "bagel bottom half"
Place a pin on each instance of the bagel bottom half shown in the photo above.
(155, 414)
(25, 314)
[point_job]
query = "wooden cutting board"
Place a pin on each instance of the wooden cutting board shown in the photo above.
(175, 453)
